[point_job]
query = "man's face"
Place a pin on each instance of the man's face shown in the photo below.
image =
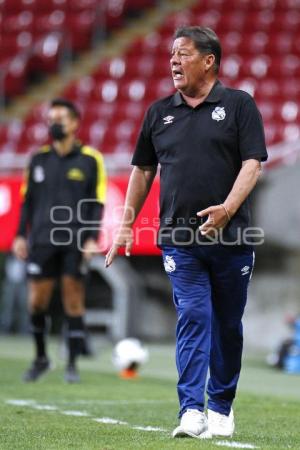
(188, 66)
(61, 115)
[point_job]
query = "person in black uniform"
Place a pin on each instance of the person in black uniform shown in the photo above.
(64, 194)
(209, 142)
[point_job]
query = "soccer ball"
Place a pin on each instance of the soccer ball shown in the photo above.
(128, 355)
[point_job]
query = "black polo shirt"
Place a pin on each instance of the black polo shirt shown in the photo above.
(200, 151)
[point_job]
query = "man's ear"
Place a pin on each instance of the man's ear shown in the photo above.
(209, 61)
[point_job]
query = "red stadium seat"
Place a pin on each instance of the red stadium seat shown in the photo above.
(47, 50)
(134, 90)
(80, 90)
(13, 43)
(153, 44)
(230, 67)
(81, 27)
(37, 133)
(256, 66)
(15, 23)
(163, 67)
(14, 75)
(16, 6)
(178, 19)
(137, 4)
(95, 110)
(93, 132)
(82, 5)
(268, 89)
(289, 112)
(54, 21)
(106, 91)
(51, 5)
(110, 68)
(288, 21)
(11, 132)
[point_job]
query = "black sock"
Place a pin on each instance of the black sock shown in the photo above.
(75, 337)
(38, 329)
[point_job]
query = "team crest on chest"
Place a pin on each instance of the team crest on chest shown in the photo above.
(218, 113)
(169, 264)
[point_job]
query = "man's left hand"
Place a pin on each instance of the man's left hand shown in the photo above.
(217, 219)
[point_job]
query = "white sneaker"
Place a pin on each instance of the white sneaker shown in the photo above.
(194, 424)
(220, 424)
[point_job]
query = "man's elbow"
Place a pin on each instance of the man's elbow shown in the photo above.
(148, 172)
(254, 166)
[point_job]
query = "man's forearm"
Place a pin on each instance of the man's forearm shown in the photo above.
(245, 182)
(24, 220)
(139, 185)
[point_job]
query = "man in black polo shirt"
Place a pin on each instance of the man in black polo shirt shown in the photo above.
(64, 194)
(209, 142)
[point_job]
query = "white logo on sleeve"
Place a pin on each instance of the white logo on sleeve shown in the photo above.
(168, 119)
(218, 113)
(169, 264)
(245, 270)
(38, 174)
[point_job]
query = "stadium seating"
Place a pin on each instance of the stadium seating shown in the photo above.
(261, 54)
(37, 35)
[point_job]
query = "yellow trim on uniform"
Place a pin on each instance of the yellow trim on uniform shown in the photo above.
(24, 184)
(44, 149)
(101, 172)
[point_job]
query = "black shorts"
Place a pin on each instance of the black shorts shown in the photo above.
(52, 261)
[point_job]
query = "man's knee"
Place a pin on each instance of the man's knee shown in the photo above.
(73, 296)
(36, 304)
(195, 315)
(74, 309)
(39, 296)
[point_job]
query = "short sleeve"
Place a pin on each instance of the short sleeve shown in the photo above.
(251, 132)
(144, 154)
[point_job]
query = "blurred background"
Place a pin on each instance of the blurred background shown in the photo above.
(111, 57)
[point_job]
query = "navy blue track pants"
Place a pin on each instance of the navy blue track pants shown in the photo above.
(210, 292)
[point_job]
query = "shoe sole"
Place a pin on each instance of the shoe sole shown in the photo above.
(49, 369)
(71, 381)
(221, 435)
(180, 432)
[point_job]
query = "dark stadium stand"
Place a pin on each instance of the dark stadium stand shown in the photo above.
(261, 43)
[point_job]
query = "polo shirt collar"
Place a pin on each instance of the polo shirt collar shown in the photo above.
(214, 95)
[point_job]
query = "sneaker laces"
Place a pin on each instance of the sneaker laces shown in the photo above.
(195, 413)
(219, 419)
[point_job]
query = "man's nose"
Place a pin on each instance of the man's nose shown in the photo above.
(175, 59)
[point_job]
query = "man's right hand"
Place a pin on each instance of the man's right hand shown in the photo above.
(20, 247)
(124, 238)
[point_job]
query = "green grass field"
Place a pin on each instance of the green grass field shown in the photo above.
(106, 413)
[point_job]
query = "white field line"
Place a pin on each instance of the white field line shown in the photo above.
(44, 407)
(119, 402)
(148, 428)
(234, 444)
(105, 420)
(110, 421)
(19, 402)
(75, 413)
